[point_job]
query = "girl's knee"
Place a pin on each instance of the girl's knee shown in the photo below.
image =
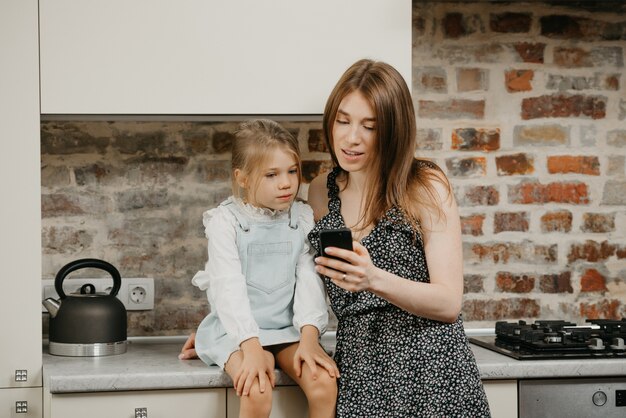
(322, 389)
(257, 400)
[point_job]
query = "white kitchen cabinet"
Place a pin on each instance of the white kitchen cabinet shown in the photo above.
(502, 397)
(20, 403)
(20, 211)
(188, 403)
(287, 402)
(211, 57)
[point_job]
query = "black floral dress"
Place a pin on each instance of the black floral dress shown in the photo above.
(393, 363)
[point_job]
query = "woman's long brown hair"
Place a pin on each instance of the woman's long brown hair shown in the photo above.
(403, 180)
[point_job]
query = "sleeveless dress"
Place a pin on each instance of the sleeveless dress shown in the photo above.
(394, 363)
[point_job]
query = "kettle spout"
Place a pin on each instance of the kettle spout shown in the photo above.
(52, 305)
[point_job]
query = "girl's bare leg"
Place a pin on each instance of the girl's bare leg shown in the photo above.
(256, 404)
(321, 393)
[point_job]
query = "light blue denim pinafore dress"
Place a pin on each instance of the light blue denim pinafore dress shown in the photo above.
(269, 252)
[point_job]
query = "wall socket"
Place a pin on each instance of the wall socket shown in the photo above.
(137, 294)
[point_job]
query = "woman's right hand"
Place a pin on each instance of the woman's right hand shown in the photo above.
(189, 348)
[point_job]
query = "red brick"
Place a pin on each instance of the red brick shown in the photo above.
(430, 80)
(503, 252)
(592, 281)
(518, 80)
(591, 251)
(316, 142)
(60, 205)
(575, 27)
(510, 22)
(556, 283)
(312, 169)
(456, 25)
(530, 52)
(472, 225)
(561, 164)
(473, 283)
(429, 139)
(606, 309)
(585, 58)
(492, 310)
(556, 221)
(514, 283)
(471, 79)
(452, 109)
(510, 221)
(564, 106)
(540, 135)
(66, 239)
(466, 167)
(621, 253)
(598, 222)
(480, 196)
(509, 165)
(474, 139)
(530, 192)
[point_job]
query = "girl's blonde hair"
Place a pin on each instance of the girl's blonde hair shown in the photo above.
(255, 140)
(400, 174)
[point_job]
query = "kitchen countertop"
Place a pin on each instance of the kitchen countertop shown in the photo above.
(153, 364)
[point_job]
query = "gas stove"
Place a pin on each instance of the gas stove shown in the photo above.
(556, 339)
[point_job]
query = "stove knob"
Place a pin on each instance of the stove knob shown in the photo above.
(596, 344)
(618, 344)
(599, 398)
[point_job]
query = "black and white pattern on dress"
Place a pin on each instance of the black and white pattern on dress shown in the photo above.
(393, 363)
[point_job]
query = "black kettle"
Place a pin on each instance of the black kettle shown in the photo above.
(87, 323)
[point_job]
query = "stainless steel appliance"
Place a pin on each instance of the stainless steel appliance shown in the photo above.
(572, 398)
(557, 339)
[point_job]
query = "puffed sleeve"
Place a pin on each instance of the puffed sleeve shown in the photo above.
(309, 306)
(222, 278)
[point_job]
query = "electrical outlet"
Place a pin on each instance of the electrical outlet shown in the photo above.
(137, 294)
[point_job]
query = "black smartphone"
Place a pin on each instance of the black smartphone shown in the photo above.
(340, 238)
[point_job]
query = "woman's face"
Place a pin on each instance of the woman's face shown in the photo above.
(354, 133)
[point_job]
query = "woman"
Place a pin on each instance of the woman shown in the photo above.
(401, 349)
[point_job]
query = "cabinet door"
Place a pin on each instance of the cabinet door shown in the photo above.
(211, 57)
(502, 397)
(20, 211)
(287, 402)
(20, 403)
(192, 403)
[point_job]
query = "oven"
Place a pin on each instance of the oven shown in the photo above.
(580, 397)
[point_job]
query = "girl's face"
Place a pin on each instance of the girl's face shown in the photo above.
(354, 132)
(278, 185)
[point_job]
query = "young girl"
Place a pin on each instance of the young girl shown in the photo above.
(267, 302)
(401, 348)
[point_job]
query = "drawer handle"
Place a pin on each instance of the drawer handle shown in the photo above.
(21, 407)
(141, 412)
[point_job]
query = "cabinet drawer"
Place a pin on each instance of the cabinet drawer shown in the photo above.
(191, 403)
(287, 402)
(20, 403)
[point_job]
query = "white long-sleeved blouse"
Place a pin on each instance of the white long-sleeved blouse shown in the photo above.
(225, 284)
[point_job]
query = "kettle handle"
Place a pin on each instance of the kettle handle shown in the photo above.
(87, 263)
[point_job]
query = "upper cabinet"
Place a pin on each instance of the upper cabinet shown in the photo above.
(210, 57)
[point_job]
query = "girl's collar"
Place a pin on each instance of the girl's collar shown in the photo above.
(257, 211)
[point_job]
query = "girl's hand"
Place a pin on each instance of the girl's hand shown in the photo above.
(256, 363)
(355, 274)
(312, 354)
(189, 348)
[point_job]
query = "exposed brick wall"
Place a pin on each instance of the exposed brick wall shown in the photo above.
(523, 106)
(526, 106)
